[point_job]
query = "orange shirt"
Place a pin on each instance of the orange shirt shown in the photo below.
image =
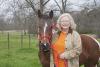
(58, 48)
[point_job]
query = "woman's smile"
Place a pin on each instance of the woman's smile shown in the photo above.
(65, 25)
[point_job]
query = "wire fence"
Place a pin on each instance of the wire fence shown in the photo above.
(13, 40)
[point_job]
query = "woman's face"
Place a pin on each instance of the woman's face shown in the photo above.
(65, 23)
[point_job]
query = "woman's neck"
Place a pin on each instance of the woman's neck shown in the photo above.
(65, 30)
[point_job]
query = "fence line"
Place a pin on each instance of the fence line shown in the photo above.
(16, 40)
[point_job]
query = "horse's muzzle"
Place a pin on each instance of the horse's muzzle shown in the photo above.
(45, 47)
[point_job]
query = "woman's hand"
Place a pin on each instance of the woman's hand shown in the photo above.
(62, 56)
(66, 55)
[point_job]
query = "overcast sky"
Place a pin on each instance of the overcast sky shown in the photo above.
(78, 2)
(4, 4)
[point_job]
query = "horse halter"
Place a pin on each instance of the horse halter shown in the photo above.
(45, 42)
(44, 39)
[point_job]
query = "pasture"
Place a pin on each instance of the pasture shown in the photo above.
(17, 56)
(19, 52)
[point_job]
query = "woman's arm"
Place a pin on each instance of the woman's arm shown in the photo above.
(76, 51)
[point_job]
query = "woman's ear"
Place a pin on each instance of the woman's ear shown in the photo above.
(39, 14)
(51, 14)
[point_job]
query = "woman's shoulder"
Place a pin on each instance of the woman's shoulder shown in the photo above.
(75, 33)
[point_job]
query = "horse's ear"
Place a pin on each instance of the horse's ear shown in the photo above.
(51, 14)
(39, 14)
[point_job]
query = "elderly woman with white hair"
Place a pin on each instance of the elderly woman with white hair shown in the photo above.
(67, 47)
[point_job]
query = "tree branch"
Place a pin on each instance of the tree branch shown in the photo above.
(65, 3)
(31, 4)
(45, 3)
(58, 5)
(95, 3)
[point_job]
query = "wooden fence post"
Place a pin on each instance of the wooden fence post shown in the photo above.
(29, 41)
(8, 41)
(21, 40)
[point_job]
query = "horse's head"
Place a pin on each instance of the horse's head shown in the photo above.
(45, 30)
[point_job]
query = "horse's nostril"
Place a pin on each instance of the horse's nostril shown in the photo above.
(45, 47)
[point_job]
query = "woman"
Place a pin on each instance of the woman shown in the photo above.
(67, 47)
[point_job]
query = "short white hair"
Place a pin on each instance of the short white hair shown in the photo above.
(72, 23)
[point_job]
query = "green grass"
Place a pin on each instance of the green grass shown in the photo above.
(16, 56)
(26, 57)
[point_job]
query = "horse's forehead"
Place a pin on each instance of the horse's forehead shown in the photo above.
(45, 21)
(45, 26)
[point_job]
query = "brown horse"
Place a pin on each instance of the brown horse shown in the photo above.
(90, 53)
(90, 48)
(45, 37)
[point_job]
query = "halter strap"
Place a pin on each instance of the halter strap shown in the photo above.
(44, 37)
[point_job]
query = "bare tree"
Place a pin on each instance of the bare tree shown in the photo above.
(31, 3)
(63, 6)
(40, 4)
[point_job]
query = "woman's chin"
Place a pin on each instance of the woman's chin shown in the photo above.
(65, 27)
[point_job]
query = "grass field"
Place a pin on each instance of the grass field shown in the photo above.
(16, 56)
